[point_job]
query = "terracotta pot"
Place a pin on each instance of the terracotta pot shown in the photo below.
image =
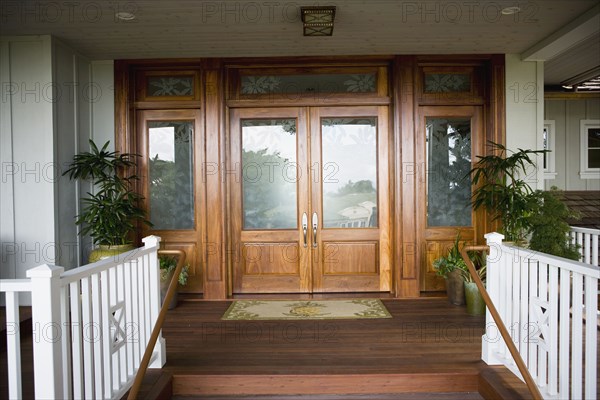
(455, 288)
(475, 303)
(106, 251)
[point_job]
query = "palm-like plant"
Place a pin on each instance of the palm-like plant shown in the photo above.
(109, 215)
(502, 190)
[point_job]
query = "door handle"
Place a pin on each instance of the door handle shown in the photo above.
(315, 225)
(304, 227)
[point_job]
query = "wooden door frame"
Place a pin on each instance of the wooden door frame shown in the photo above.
(444, 235)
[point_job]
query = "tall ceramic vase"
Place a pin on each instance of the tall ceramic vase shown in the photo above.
(455, 288)
(475, 303)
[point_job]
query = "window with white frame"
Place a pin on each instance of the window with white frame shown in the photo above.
(548, 142)
(590, 149)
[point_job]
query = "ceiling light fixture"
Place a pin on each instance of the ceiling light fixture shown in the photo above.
(510, 10)
(318, 20)
(125, 16)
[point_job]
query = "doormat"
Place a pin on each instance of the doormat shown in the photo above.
(253, 310)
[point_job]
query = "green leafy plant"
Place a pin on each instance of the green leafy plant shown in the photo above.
(110, 214)
(501, 189)
(168, 265)
(549, 229)
(445, 265)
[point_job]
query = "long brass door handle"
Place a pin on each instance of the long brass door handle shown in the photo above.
(305, 228)
(315, 225)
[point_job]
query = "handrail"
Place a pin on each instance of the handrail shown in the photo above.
(533, 388)
(137, 383)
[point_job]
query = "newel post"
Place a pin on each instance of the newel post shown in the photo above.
(492, 340)
(47, 331)
(160, 349)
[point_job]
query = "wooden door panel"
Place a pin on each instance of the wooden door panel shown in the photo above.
(271, 258)
(266, 230)
(350, 258)
(353, 235)
(435, 237)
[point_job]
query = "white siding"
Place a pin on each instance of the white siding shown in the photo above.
(50, 107)
(567, 114)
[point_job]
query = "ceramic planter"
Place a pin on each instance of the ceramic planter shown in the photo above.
(455, 288)
(475, 303)
(106, 251)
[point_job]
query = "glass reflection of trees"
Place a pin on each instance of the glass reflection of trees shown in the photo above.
(268, 176)
(171, 178)
(448, 166)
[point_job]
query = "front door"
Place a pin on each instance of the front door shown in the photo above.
(310, 199)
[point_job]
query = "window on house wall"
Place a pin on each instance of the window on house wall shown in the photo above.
(548, 137)
(590, 149)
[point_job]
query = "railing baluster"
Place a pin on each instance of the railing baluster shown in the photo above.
(565, 332)
(123, 349)
(114, 362)
(595, 260)
(129, 325)
(66, 342)
(532, 343)
(576, 342)
(591, 333)
(13, 346)
(101, 341)
(88, 338)
(542, 349)
(77, 339)
(106, 333)
(553, 330)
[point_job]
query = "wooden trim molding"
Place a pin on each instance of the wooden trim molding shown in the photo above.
(407, 258)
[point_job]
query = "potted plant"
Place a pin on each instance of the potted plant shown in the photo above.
(167, 269)
(450, 268)
(549, 229)
(474, 300)
(500, 187)
(110, 214)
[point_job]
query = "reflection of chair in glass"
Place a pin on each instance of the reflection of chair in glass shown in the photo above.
(360, 216)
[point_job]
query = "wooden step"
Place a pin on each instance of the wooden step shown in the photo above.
(313, 384)
(498, 383)
(396, 396)
(156, 385)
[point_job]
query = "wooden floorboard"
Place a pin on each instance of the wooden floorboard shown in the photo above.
(428, 346)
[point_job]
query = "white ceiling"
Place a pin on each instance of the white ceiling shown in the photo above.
(190, 28)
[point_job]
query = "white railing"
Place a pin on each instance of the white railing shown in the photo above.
(587, 239)
(90, 325)
(549, 304)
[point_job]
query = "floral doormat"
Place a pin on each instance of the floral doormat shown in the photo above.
(252, 310)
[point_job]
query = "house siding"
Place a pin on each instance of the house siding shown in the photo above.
(567, 114)
(49, 101)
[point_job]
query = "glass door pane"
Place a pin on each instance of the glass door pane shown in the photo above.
(269, 174)
(349, 172)
(448, 147)
(171, 177)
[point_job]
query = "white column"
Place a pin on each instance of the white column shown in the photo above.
(492, 338)
(47, 331)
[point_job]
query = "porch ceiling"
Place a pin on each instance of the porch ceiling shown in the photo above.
(190, 28)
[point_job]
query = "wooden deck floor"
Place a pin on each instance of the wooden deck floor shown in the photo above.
(428, 346)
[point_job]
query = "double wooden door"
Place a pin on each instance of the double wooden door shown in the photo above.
(309, 199)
